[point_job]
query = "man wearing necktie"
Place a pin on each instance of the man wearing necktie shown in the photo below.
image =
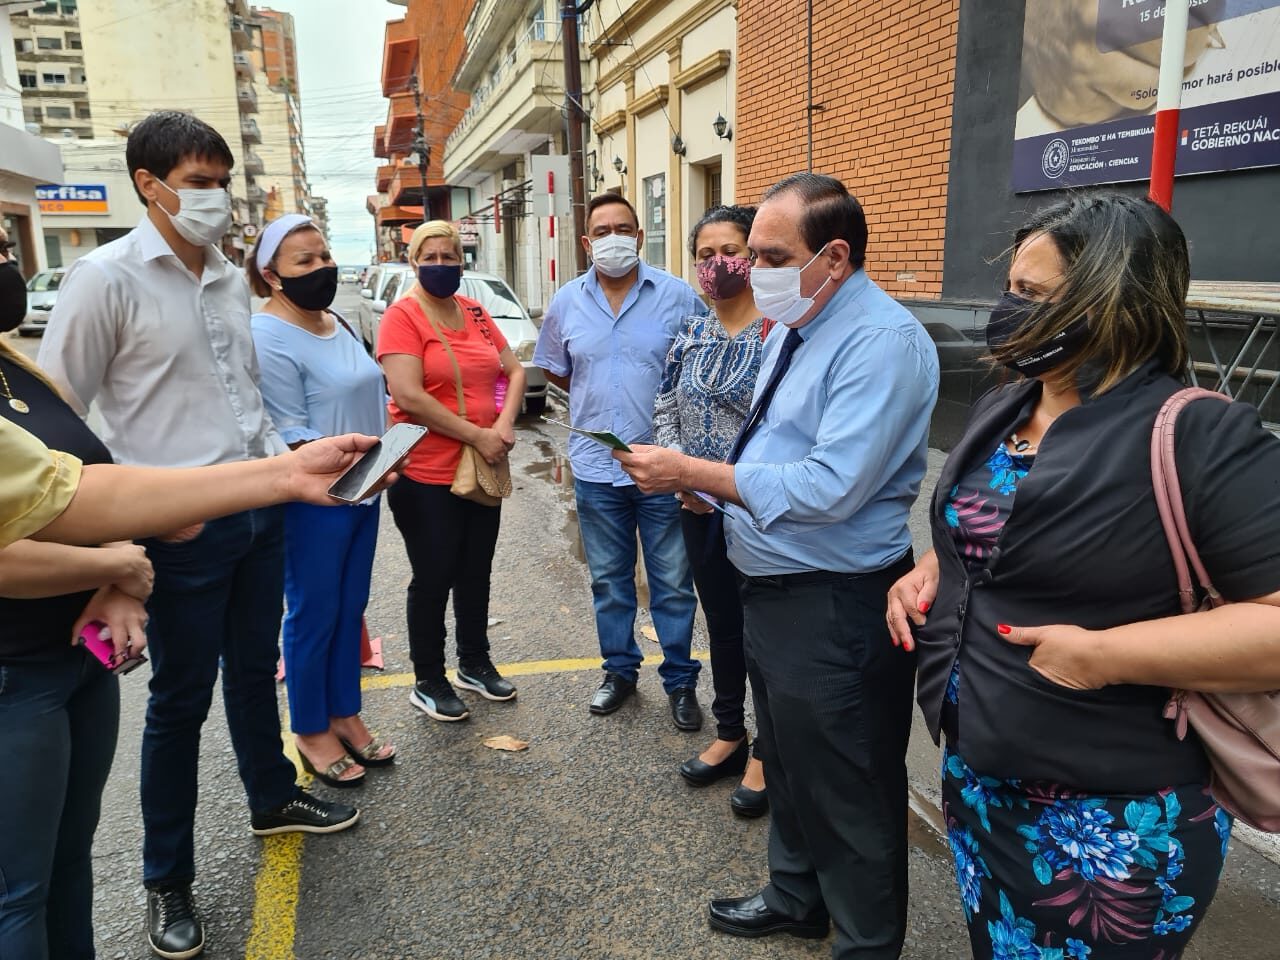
(817, 494)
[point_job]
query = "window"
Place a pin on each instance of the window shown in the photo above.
(32, 114)
(53, 78)
(24, 46)
(49, 43)
(82, 111)
(714, 195)
(58, 113)
(27, 80)
(389, 289)
(73, 42)
(655, 220)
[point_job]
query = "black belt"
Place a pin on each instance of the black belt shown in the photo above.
(780, 580)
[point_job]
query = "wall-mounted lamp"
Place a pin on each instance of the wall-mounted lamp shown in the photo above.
(721, 126)
(677, 146)
(619, 165)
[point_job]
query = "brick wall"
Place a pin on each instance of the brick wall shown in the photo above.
(884, 71)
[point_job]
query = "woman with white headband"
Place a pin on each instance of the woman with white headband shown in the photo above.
(317, 381)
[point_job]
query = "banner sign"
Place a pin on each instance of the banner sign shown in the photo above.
(1090, 70)
(72, 198)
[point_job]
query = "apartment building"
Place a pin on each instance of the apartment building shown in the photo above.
(279, 119)
(51, 72)
(419, 55)
(26, 160)
(512, 68)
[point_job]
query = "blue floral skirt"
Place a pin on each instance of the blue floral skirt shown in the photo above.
(1048, 873)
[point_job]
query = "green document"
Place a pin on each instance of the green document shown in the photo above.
(599, 436)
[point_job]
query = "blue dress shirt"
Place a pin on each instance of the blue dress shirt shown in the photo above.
(829, 475)
(616, 362)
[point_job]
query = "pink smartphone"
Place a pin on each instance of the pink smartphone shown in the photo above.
(104, 650)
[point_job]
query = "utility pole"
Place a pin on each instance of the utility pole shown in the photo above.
(575, 116)
(420, 145)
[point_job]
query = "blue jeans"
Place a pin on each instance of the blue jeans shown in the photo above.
(58, 723)
(609, 517)
(217, 599)
(328, 565)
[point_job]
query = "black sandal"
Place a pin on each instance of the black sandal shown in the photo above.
(331, 775)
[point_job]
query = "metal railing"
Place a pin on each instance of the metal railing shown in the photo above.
(538, 30)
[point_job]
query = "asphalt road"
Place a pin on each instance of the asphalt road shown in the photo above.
(587, 845)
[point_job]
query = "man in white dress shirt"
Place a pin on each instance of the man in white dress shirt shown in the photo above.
(155, 328)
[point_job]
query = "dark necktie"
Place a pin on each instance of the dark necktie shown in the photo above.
(761, 406)
(758, 410)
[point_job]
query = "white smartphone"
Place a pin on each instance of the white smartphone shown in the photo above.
(360, 479)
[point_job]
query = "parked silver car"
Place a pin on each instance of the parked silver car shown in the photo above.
(42, 291)
(387, 282)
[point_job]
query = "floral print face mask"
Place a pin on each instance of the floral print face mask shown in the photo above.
(723, 278)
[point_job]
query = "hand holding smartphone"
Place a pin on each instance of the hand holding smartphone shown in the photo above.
(363, 477)
(96, 638)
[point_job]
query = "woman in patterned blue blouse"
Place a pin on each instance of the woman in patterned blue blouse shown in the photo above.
(704, 399)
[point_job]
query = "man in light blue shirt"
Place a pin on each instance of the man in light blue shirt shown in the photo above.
(818, 487)
(605, 339)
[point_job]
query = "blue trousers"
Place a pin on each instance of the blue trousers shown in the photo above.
(609, 517)
(58, 723)
(217, 599)
(328, 563)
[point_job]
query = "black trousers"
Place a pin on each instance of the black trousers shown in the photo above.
(717, 583)
(450, 542)
(833, 704)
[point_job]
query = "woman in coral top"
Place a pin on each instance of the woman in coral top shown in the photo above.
(450, 540)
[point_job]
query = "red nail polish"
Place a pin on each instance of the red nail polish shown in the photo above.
(1004, 628)
(924, 606)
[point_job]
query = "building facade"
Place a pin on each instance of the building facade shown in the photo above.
(279, 119)
(26, 160)
(663, 115)
(419, 55)
(51, 70)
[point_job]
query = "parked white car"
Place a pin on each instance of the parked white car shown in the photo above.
(387, 282)
(42, 292)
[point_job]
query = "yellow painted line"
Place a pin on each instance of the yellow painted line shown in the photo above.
(275, 898)
(525, 668)
(275, 892)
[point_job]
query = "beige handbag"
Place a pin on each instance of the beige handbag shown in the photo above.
(475, 479)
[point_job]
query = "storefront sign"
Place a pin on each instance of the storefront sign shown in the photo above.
(1092, 67)
(72, 198)
(470, 231)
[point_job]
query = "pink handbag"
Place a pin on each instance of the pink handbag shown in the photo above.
(1240, 731)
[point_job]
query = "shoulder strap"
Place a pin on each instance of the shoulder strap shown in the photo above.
(1168, 491)
(343, 320)
(444, 341)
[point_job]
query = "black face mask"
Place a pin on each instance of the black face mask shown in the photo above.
(1010, 314)
(441, 280)
(13, 296)
(314, 290)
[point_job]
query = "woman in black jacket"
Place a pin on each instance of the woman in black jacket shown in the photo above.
(1047, 614)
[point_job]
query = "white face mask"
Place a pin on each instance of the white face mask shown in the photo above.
(203, 216)
(777, 291)
(614, 254)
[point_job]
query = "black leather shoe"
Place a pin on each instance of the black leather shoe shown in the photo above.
(704, 774)
(746, 802)
(752, 917)
(174, 930)
(611, 695)
(685, 710)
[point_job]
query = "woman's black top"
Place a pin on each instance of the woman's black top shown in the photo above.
(1083, 545)
(41, 629)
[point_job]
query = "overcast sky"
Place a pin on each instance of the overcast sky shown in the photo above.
(340, 67)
